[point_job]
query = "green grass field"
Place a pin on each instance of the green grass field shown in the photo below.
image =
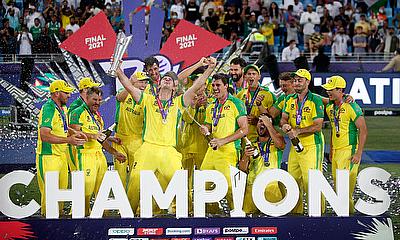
(383, 134)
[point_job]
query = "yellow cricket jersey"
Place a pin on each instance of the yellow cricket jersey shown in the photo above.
(267, 102)
(226, 117)
(128, 117)
(192, 138)
(154, 130)
(348, 115)
(269, 158)
(279, 104)
(74, 105)
(313, 109)
(90, 123)
(50, 117)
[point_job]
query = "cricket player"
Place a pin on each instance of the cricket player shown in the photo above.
(302, 117)
(257, 98)
(90, 156)
(52, 150)
(162, 114)
(237, 82)
(270, 145)
(349, 132)
(83, 87)
(226, 121)
(129, 120)
(286, 85)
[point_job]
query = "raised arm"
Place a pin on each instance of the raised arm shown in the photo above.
(189, 70)
(189, 95)
(124, 80)
(275, 135)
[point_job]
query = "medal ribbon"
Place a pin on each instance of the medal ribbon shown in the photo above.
(153, 90)
(215, 116)
(299, 112)
(63, 117)
(164, 111)
(250, 105)
(94, 119)
(336, 118)
(265, 153)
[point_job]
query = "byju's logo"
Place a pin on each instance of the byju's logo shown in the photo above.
(206, 231)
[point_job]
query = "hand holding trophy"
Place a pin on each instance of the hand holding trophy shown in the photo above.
(119, 50)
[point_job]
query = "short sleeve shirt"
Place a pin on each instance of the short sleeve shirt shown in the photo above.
(90, 123)
(129, 117)
(156, 131)
(50, 117)
(313, 109)
(347, 113)
(227, 123)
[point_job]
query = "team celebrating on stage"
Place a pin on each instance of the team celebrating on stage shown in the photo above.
(200, 120)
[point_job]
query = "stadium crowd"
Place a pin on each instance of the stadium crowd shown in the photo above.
(289, 27)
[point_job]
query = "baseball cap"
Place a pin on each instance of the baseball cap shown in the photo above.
(87, 83)
(171, 74)
(310, 5)
(60, 86)
(303, 73)
(141, 76)
(253, 66)
(335, 82)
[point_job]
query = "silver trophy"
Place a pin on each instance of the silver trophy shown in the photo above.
(119, 50)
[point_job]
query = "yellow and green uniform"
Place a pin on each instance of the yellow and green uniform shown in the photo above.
(129, 120)
(90, 156)
(279, 104)
(158, 151)
(195, 145)
(223, 118)
(248, 97)
(72, 157)
(312, 155)
(236, 89)
(270, 158)
(345, 141)
(52, 157)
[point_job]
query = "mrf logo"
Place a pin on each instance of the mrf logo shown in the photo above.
(150, 231)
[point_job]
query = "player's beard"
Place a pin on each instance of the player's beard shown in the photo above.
(236, 77)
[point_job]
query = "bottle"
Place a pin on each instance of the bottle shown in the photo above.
(297, 144)
(108, 132)
(209, 138)
(256, 154)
